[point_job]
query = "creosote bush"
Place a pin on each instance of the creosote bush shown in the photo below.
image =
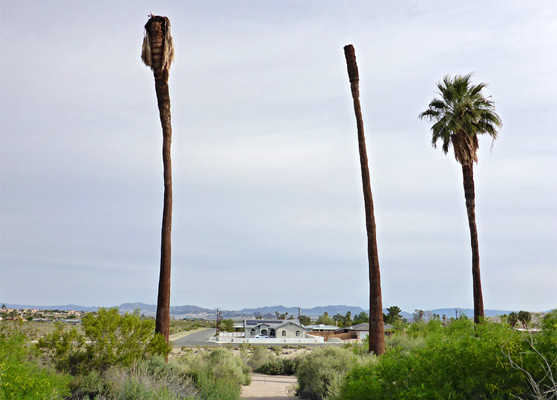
(217, 374)
(21, 376)
(109, 339)
(460, 361)
(279, 366)
(321, 372)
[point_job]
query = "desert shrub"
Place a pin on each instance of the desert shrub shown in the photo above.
(217, 374)
(460, 361)
(279, 366)
(21, 376)
(146, 379)
(538, 361)
(404, 343)
(321, 372)
(259, 356)
(109, 339)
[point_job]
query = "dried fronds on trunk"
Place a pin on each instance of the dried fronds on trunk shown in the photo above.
(149, 47)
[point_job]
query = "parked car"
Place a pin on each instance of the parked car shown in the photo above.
(261, 337)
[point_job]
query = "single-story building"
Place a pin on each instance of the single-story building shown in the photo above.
(321, 328)
(361, 331)
(274, 328)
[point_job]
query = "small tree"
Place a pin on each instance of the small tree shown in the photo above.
(512, 319)
(524, 317)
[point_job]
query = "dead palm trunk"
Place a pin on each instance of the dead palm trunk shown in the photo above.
(158, 53)
(470, 195)
(376, 329)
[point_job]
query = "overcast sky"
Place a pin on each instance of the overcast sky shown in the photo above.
(268, 205)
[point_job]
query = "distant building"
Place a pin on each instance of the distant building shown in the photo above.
(274, 328)
(361, 331)
(321, 328)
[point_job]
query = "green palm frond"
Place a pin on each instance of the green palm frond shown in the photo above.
(460, 113)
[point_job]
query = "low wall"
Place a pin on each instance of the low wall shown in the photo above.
(231, 334)
(343, 336)
(231, 339)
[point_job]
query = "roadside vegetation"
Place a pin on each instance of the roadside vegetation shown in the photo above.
(115, 356)
(111, 356)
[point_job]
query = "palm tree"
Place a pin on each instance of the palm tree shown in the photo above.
(376, 328)
(460, 115)
(158, 53)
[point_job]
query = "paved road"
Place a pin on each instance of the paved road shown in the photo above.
(196, 339)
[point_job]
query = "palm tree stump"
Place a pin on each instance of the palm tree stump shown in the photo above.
(158, 53)
(376, 328)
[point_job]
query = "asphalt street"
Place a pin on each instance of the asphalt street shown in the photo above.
(199, 338)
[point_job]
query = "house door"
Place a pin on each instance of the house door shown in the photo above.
(264, 331)
(272, 333)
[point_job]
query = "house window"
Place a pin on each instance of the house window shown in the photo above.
(283, 333)
(252, 332)
(297, 333)
(272, 333)
(264, 331)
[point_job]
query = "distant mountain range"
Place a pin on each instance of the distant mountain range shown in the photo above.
(190, 311)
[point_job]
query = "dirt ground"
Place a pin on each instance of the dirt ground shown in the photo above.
(267, 387)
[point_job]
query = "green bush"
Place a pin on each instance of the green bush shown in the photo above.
(146, 379)
(21, 377)
(218, 374)
(321, 372)
(460, 361)
(259, 356)
(279, 366)
(109, 339)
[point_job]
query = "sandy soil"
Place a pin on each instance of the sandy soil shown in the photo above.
(267, 387)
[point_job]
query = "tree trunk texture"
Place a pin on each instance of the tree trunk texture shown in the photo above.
(470, 195)
(376, 328)
(163, 99)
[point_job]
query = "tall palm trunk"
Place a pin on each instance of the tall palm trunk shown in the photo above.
(158, 54)
(470, 195)
(376, 328)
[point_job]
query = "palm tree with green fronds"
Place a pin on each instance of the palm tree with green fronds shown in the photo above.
(460, 114)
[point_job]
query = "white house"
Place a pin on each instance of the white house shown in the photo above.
(274, 328)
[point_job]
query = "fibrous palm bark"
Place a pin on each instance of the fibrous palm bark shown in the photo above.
(158, 53)
(376, 328)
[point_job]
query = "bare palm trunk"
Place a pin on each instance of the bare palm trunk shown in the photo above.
(158, 53)
(376, 328)
(470, 195)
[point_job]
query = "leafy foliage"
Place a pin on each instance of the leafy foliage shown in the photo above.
(109, 339)
(460, 113)
(21, 377)
(469, 362)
